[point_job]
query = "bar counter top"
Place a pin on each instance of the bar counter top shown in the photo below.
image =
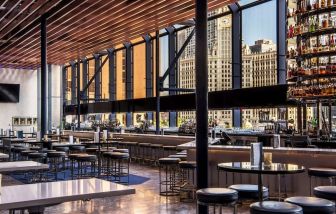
(192, 145)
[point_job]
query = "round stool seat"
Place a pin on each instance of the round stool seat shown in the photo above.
(156, 145)
(121, 150)
(110, 149)
(182, 157)
(35, 148)
(48, 150)
(322, 172)
(86, 157)
(62, 148)
(130, 143)
(117, 155)
(91, 150)
(167, 161)
(274, 207)
(19, 149)
(311, 205)
(187, 164)
(55, 154)
(169, 147)
(26, 152)
(37, 155)
(326, 192)
(182, 153)
(77, 148)
(144, 144)
(216, 195)
(249, 191)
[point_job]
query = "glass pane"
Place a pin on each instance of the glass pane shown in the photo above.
(139, 62)
(121, 75)
(105, 79)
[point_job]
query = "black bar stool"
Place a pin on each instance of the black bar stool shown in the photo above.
(65, 149)
(274, 207)
(156, 153)
(37, 156)
(213, 197)
(168, 150)
(182, 157)
(77, 149)
(16, 151)
(187, 188)
(329, 173)
(144, 151)
(312, 205)
(249, 192)
(168, 176)
(24, 154)
(118, 166)
(326, 192)
(56, 162)
(86, 165)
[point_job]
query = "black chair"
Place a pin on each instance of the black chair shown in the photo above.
(56, 162)
(188, 186)
(86, 165)
(275, 207)
(213, 197)
(168, 176)
(312, 205)
(117, 166)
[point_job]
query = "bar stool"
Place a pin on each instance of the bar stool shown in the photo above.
(16, 151)
(187, 188)
(249, 192)
(213, 197)
(77, 149)
(37, 156)
(312, 205)
(326, 192)
(168, 150)
(86, 163)
(56, 162)
(156, 153)
(274, 207)
(169, 167)
(24, 154)
(144, 151)
(182, 157)
(118, 166)
(92, 150)
(329, 173)
(133, 150)
(65, 149)
(121, 150)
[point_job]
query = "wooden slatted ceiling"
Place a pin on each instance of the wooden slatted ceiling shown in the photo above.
(79, 28)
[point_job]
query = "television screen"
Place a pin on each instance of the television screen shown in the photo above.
(9, 93)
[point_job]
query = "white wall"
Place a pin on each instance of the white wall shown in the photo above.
(27, 107)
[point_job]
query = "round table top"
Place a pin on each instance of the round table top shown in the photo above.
(275, 168)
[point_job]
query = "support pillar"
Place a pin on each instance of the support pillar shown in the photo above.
(97, 78)
(73, 83)
(299, 118)
(236, 60)
(112, 78)
(172, 72)
(85, 79)
(281, 41)
(49, 98)
(129, 80)
(78, 94)
(149, 70)
(44, 71)
(304, 118)
(201, 65)
(157, 82)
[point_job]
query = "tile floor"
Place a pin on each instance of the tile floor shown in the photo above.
(146, 200)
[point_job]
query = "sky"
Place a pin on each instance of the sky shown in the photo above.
(259, 23)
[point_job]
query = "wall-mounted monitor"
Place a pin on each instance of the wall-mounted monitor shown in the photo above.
(9, 93)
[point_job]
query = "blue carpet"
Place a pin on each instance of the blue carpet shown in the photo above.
(66, 175)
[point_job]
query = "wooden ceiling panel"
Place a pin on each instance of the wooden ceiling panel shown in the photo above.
(80, 28)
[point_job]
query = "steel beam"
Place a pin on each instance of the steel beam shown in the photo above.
(236, 59)
(172, 64)
(73, 82)
(78, 95)
(85, 78)
(44, 71)
(149, 69)
(97, 60)
(172, 72)
(49, 98)
(157, 82)
(112, 74)
(129, 79)
(281, 41)
(178, 89)
(201, 65)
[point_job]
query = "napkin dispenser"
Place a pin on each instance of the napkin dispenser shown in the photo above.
(256, 154)
(96, 137)
(71, 139)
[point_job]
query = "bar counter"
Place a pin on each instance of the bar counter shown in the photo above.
(297, 184)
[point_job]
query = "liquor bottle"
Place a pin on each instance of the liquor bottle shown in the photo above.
(308, 5)
(325, 21)
(330, 21)
(317, 23)
(328, 3)
(332, 42)
(312, 25)
(317, 4)
(323, 3)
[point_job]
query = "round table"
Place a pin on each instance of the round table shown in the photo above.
(273, 169)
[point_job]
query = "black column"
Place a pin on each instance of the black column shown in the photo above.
(49, 98)
(112, 78)
(304, 117)
(85, 79)
(299, 118)
(78, 94)
(149, 70)
(172, 72)
(44, 71)
(157, 81)
(201, 65)
(281, 41)
(64, 87)
(129, 79)
(97, 80)
(73, 83)
(236, 59)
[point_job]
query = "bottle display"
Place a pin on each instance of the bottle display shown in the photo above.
(311, 49)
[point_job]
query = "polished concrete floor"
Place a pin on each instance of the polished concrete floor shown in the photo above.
(146, 200)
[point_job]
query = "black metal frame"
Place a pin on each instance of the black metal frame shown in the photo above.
(44, 70)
